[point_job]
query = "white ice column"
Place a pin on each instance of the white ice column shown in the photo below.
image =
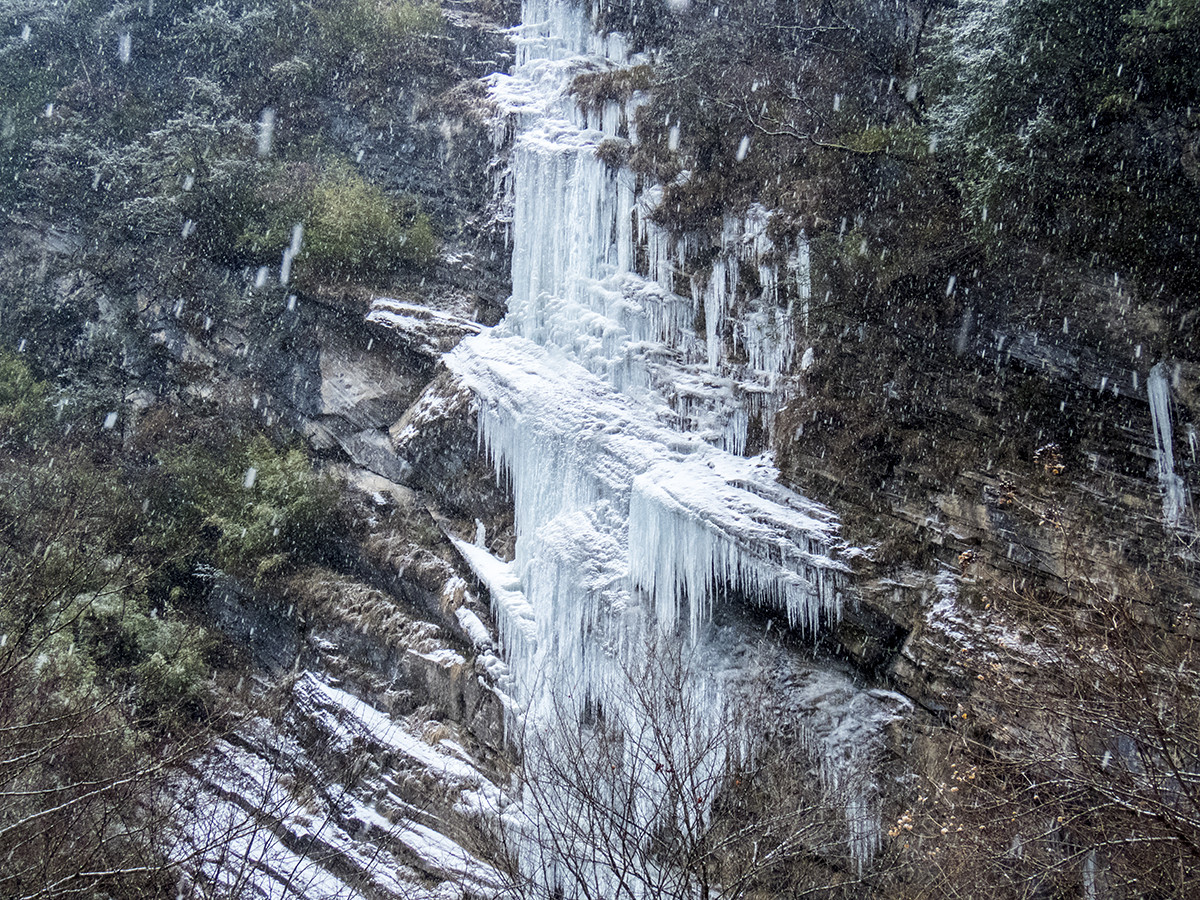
(1175, 501)
(572, 229)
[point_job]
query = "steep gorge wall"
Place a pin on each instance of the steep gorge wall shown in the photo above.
(991, 460)
(931, 446)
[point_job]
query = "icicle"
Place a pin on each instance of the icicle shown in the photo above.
(621, 519)
(1174, 490)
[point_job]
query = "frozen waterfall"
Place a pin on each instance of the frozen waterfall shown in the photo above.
(1175, 501)
(612, 418)
(621, 429)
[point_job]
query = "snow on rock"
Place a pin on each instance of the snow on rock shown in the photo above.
(344, 716)
(514, 615)
(246, 828)
(971, 631)
(473, 628)
(350, 804)
(428, 331)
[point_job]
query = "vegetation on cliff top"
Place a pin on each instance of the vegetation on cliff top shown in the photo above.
(940, 132)
(182, 125)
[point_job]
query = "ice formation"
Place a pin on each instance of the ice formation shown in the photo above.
(1175, 501)
(587, 385)
(621, 428)
(579, 227)
(659, 513)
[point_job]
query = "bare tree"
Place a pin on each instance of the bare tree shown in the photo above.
(669, 787)
(1076, 767)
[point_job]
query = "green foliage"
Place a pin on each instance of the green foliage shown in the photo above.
(906, 141)
(24, 403)
(226, 37)
(366, 35)
(72, 593)
(164, 145)
(351, 228)
(420, 244)
(166, 661)
(819, 93)
(262, 507)
(95, 572)
(403, 20)
(192, 168)
(279, 513)
(271, 208)
(1160, 47)
(199, 177)
(91, 678)
(1069, 125)
(356, 230)
(31, 76)
(57, 514)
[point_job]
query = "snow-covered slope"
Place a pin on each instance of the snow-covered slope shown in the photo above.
(342, 802)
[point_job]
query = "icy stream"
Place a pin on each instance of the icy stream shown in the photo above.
(623, 428)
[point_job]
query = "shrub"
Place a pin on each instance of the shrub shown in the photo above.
(164, 660)
(379, 35)
(594, 89)
(24, 407)
(261, 507)
(273, 206)
(352, 229)
(614, 152)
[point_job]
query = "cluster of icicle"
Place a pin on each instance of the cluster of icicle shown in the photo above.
(614, 508)
(620, 428)
(579, 226)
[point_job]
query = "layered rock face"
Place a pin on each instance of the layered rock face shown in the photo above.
(650, 439)
(653, 522)
(569, 398)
